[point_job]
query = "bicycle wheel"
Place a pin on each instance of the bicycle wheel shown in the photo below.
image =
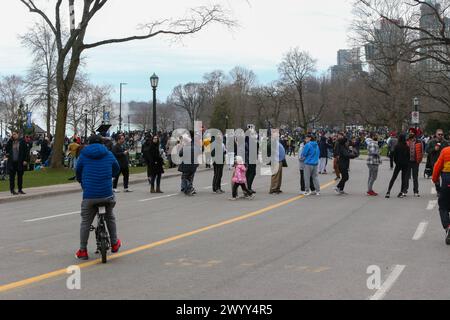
(103, 247)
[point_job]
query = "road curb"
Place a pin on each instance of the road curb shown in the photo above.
(48, 194)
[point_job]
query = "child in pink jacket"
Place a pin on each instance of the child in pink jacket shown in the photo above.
(239, 179)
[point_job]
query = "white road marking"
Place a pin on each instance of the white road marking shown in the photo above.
(433, 190)
(223, 184)
(420, 230)
(388, 284)
(157, 198)
(52, 217)
(432, 204)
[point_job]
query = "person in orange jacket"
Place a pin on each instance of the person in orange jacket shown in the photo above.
(416, 157)
(442, 170)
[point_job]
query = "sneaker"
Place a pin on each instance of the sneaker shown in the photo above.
(416, 195)
(82, 255)
(317, 194)
(401, 195)
(115, 248)
(127, 190)
(307, 193)
(116, 191)
(372, 194)
(388, 195)
(232, 199)
(336, 189)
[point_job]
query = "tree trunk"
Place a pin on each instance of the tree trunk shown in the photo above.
(60, 132)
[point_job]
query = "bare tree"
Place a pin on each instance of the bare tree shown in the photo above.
(191, 98)
(242, 82)
(71, 49)
(295, 69)
(41, 77)
(12, 96)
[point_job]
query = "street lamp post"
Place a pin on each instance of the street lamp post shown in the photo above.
(154, 80)
(120, 106)
(416, 109)
(86, 112)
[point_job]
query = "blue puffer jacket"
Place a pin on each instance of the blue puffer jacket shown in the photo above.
(95, 168)
(311, 153)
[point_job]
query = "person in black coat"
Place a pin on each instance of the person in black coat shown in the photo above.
(155, 163)
(345, 154)
(401, 156)
(218, 152)
(18, 158)
(121, 155)
(189, 164)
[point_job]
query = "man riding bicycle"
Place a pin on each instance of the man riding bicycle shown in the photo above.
(96, 167)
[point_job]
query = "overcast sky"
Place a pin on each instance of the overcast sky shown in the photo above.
(267, 30)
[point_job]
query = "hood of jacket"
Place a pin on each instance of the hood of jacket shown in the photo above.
(95, 151)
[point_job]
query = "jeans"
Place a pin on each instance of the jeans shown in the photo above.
(187, 182)
(444, 206)
(311, 173)
(126, 177)
(13, 170)
(373, 174)
(397, 170)
(250, 175)
(155, 178)
(344, 179)
(217, 179)
(413, 168)
(88, 213)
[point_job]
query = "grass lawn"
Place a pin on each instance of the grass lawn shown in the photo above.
(383, 152)
(49, 177)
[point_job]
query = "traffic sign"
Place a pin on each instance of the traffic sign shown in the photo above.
(415, 117)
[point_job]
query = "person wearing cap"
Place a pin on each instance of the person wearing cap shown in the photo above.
(96, 166)
(415, 158)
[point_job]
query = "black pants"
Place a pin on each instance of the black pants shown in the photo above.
(344, 178)
(413, 168)
(250, 175)
(155, 178)
(444, 206)
(391, 158)
(13, 170)
(302, 182)
(404, 171)
(217, 179)
(244, 188)
(125, 171)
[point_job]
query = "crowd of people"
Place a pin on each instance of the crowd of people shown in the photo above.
(313, 150)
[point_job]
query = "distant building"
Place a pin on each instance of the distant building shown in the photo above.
(348, 63)
(432, 24)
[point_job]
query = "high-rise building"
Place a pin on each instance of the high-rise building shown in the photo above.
(348, 63)
(432, 21)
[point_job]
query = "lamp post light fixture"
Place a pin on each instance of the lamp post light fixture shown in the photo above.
(154, 80)
(86, 112)
(416, 120)
(120, 106)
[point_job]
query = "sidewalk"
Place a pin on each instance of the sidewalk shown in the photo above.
(51, 191)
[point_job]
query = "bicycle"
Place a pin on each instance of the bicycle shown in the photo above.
(101, 233)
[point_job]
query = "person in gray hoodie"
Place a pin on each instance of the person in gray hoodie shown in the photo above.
(311, 153)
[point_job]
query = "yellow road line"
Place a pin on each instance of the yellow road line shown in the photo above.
(62, 272)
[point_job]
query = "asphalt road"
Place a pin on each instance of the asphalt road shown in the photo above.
(207, 247)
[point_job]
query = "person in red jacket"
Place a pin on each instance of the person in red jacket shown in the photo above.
(415, 158)
(442, 170)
